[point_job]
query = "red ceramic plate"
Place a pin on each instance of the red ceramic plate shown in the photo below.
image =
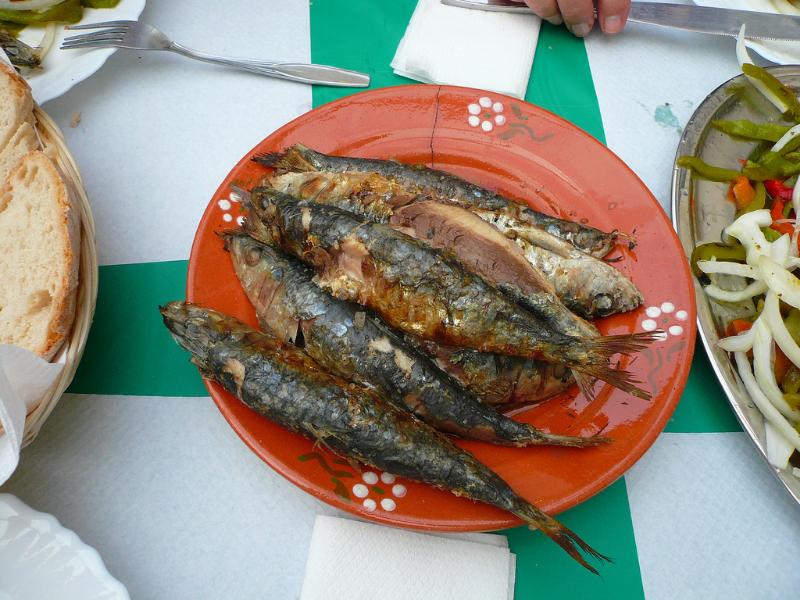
(526, 153)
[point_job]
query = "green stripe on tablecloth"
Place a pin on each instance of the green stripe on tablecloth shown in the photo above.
(129, 351)
(604, 522)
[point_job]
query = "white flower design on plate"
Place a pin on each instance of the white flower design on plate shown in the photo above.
(227, 204)
(486, 114)
(387, 499)
(667, 318)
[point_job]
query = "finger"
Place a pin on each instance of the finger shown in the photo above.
(547, 9)
(578, 15)
(613, 14)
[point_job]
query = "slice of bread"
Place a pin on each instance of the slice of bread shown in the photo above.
(39, 255)
(23, 141)
(16, 102)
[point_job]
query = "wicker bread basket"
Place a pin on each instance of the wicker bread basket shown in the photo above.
(70, 354)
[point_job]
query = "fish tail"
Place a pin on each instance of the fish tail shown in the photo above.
(585, 384)
(538, 437)
(622, 344)
(620, 379)
(561, 535)
(291, 159)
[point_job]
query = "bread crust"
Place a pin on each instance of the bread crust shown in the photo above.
(62, 308)
(19, 93)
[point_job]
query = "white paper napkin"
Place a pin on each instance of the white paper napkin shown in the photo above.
(24, 379)
(352, 560)
(474, 48)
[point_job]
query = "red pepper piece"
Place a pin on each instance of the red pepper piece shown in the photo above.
(777, 189)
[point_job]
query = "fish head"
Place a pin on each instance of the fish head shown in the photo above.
(194, 328)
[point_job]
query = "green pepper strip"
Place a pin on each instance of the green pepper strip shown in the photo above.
(706, 171)
(719, 251)
(771, 234)
(69, 11)
(759, 201)
(792, 400)
(743, 128)
(771, 166)
(99, 3)
(791, 381)
(776, 87)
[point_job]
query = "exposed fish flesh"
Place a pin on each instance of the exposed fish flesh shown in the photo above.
(441, 186)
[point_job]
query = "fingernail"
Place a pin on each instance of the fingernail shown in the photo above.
(581, 29)
(612, 24)
(555, 20)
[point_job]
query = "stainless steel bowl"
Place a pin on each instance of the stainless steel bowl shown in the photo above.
(701, 210)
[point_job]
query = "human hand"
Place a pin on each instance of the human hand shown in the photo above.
(579, 15)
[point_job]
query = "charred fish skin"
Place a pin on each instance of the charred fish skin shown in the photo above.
(19, 53)
(359, 347)
(283, 384)
(445, 187)
(505, 382)
(413, 287)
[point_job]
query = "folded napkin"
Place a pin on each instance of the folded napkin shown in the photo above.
(474, 48)
(24, 380)
(352, 560)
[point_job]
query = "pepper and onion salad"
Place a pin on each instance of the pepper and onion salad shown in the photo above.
(752, 274)
(15, 15)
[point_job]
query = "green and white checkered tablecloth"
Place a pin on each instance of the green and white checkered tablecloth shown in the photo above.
(139, 462)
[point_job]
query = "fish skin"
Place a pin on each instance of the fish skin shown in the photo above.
(505, 382)
(418, 291)
(282, 383)
(587, 285)
(19, 53)
(561, 285)
(413, 287)
(443, 187)
(368, 352)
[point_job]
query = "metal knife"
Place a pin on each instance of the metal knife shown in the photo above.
(702, 19)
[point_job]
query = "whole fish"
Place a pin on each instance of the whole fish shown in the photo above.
(586, 285)
(441, 186)
(285, 385)
(419, 291)
(505, 382)
(538, 269)
(19, 53)
(359, 347)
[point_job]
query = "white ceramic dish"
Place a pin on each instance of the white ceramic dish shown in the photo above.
(62, 69)
(782, 53)
(41, 559)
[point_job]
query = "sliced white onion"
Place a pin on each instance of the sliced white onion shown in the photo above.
(28, 4)
(781, 281)
(765, 372)
(770, 413)
(778, 447)
(754, 289)
(747, 229)
(744, 58)
(786, 138)
(47, 41)
(742, 342)
(728, 268)
(774, 321)
(779, 251)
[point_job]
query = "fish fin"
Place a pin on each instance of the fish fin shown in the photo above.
(561, 535)
(291, 159)
(620, 379)
(570, 441)
(586, 384)
(623, 344)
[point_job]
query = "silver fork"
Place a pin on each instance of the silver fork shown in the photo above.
(140, 36)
